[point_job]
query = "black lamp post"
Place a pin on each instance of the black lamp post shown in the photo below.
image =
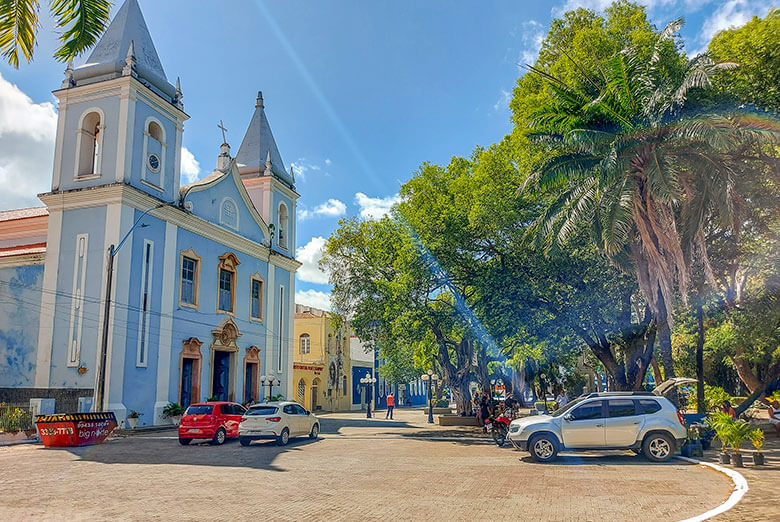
(270, 381)
(368, 382)
(430, 378)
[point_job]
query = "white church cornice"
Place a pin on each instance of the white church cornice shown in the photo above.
(124, 86)
(121, 193)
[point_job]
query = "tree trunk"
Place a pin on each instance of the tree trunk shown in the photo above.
(665, 348)
(657, 375)
(700, 406)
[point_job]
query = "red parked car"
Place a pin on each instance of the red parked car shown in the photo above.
(216, 421)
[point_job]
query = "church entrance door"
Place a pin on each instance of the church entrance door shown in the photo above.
(186, 381)
(221, 382)
(249, 381)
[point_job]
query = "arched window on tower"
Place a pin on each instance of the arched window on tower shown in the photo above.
(154, 154)
(90, 140)
(283, 221)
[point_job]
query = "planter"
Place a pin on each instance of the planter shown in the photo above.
(75, 429)
(692, 448)
(724, 458)
(132, 422)
(14, 437)
(758, 459)
(176, 419)
(439, 411)
(737, 460)
(457, 420)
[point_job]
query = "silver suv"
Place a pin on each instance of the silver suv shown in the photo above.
(639, 421)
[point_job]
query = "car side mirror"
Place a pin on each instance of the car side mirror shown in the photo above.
(308, 412)
(568, 417)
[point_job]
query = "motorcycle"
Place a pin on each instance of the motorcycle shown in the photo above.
(498, 427)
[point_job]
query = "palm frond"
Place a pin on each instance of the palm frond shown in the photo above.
(83, 21)
(18, 27)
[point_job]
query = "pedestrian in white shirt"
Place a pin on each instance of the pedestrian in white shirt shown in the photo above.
(562, 399)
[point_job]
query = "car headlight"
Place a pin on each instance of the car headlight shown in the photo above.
(514, 428)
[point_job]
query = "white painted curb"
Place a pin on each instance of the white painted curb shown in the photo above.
(740, 488)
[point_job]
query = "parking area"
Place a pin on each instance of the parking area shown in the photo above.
(358, 469)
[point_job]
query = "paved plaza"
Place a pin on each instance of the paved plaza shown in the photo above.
(358, 470)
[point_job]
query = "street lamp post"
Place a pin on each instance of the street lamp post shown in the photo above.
(270, 381)
(368, 382)
(112, 252)
(430, 378)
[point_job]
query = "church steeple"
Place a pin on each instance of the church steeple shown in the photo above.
(126, 48)
(258, 154)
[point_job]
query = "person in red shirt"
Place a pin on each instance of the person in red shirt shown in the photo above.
(390, 406)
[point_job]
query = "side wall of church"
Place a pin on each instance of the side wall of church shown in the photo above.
(20, 306)
(88, 223)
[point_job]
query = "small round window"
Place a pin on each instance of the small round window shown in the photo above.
(154, 162)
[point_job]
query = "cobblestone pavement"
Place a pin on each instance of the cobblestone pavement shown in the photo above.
(359, 470)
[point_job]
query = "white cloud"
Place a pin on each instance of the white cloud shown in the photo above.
(190, 167)
(375, 208)
(533, 36)
(733, 13)
(313, 298)
(303, 167)
(327, 162)
(27, 133)
(331, 208)
(310, 255)
(503, 100)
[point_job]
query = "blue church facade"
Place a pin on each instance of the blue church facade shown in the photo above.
(203, 289)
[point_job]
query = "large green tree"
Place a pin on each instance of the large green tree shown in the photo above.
(643, 170)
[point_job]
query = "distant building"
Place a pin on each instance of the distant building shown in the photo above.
(203, 286)
(321, 362)
(362, 355)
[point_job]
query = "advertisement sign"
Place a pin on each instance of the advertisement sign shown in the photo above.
(75, 429)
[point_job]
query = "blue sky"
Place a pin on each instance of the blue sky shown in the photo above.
(358, 93)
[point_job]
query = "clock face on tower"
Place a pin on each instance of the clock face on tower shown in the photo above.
(154, 162)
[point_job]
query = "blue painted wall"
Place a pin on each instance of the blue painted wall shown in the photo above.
(79, 221)
(20, 304)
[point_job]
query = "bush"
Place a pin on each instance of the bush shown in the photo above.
(442, 403)
(173, 409)
(713, 398)
(551, 406)
(13, 420)
(757, 438)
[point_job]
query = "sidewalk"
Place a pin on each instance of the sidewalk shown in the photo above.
(759, 502)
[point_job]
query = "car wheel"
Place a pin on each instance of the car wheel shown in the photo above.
(315, 431)
(219, 437)
(499, 435)
(658, 447)
(184, 442)
(245, 441)
(543, 448)
(284, 438)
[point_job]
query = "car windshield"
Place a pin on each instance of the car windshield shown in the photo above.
(561, 411)
(199, 410)
(261, 410)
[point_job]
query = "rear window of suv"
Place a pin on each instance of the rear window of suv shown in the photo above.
(261, 410)
(648, 406)
(199, 410)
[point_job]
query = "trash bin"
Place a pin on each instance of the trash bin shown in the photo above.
(75, 429)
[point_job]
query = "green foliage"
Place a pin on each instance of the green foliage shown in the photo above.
(757, 439)
(173, 409)
(739, 432)
(276, 398)
(80, 22)
(133, 414)
(13, 420)
(721, 422)
(756, 48)
(540, 405)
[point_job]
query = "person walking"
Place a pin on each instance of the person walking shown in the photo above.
(390, 406)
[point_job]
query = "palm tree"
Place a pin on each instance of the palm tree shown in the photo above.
(81, 23)
(640, 167)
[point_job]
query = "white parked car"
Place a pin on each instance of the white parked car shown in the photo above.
(277, 421)
(640, 421)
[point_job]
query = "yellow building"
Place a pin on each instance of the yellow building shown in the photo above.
(321, 362)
